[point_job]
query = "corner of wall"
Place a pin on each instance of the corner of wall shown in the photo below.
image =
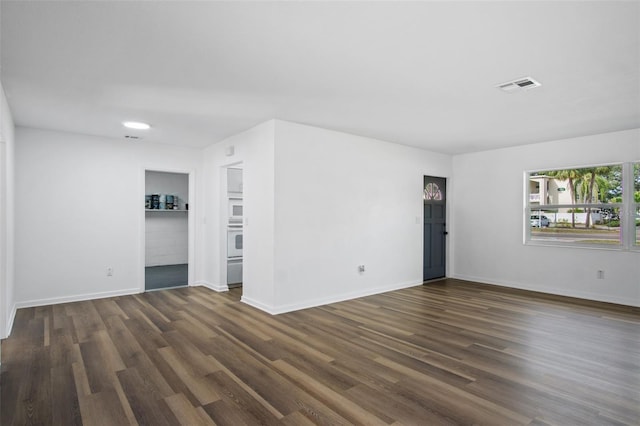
(259, 305)
(10, 319)
(215, 287)
(7, 167)
(312, 303)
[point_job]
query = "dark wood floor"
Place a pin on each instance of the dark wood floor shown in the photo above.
(450, 352)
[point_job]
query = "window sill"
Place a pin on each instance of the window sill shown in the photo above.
(564, 244)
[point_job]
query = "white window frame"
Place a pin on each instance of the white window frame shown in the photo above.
(627, 208)
(633, 208)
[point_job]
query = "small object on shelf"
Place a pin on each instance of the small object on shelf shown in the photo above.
(163, 202)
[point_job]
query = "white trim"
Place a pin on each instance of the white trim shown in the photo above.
(215, 287)
(12, 317)
(594, 297)
(575, 245)
(275, 310)
(224, 220)
(633, 245)
(576, 166)
(628, 215)
(191, 222)
(76, 298)
(266, 308)
(545, 207)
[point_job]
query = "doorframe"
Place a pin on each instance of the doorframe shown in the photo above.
(448, 227)
(191, 232)
(224, 205)
(4, 306)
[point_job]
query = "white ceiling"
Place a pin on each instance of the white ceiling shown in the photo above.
(416, 73)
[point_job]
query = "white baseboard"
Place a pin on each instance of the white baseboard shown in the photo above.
(550, 290)
(281, 309)
(215, 287)
(76, 298)
(258, 305)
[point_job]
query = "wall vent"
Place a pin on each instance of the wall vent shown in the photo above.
(519, 85)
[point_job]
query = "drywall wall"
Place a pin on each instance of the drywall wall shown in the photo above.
(317, 204)
(80, 209)
(489, 247)
(253, 149)
(5, 305)
(342, 201)
(166, 232)
(7, 159)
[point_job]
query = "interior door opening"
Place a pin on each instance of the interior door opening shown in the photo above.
(233, 227)
(435, 232)
(166, 230)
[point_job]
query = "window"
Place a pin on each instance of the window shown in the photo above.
(432, 192)
(596, 206)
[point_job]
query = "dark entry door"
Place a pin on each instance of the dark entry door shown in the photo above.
(435, 215)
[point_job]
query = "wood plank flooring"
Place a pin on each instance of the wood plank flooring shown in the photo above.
(450, 352)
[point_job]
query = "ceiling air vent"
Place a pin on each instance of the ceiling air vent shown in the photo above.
(519, 85)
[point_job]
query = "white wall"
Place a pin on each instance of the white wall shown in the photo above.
(342, 201)
(317, 204)
(80, 209)
(492, 251)
(7, 172)
(254, 149)
(167, 238)
(166, 233)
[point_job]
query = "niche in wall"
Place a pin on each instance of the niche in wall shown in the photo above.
(166, 229)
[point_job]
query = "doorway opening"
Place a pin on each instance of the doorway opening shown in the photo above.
(166, 230)
(233, 225)
(435, 232)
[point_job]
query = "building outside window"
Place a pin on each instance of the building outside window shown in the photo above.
(597, 206)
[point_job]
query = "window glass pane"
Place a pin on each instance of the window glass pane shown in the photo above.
(588, 185)
(432, 192)
(560, 225)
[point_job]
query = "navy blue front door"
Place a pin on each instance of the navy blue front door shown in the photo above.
(435, 215)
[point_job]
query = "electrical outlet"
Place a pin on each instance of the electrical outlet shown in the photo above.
(600, 274)
(109, 271)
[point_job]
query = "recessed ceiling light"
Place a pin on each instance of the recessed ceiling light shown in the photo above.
(137, 125)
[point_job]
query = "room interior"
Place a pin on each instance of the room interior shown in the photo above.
(166, 229)
(335, 112)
